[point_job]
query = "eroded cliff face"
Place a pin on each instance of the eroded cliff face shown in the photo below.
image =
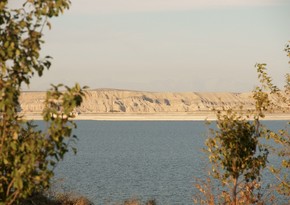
(123, 101)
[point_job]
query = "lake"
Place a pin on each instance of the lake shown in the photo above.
(117, 160)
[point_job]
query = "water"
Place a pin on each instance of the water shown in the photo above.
(146, 160)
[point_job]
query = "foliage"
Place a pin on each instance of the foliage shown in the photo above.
(282, 137)
(134, 201)
(27, 155)
(206, 195)
(237, 157)
(56, 199)
(75, 199)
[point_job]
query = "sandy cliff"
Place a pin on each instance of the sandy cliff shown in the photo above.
(151, 102)
(123, 101)
(113, 104)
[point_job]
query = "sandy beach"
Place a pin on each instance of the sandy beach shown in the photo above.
(198, 116)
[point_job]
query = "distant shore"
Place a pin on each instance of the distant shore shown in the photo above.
(198, 116)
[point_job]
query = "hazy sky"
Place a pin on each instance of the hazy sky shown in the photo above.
(167, 45)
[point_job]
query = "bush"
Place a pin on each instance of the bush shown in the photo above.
(28, 156)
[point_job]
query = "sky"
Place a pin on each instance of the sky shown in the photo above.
(167, 45)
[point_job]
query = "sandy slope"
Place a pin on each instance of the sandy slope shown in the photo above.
(103, 103)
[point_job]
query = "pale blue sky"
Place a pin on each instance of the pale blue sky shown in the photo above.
(167, 45)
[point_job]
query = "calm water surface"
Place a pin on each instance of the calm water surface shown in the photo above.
(145, 160)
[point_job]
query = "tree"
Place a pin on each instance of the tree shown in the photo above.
(282, 137)
(236, 154)
(27, 155)
(237, 157)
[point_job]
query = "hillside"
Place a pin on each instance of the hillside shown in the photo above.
(123, 101)
(113, 104)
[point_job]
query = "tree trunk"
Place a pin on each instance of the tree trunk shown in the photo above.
(234, 191)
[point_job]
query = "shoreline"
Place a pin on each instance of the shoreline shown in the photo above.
(198, 116)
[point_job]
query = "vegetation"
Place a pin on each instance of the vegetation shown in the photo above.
(237, 160)
(73, 199)
(282, 137)
(56, 199)
(238, 157)
(27, 155)
(137, 202)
